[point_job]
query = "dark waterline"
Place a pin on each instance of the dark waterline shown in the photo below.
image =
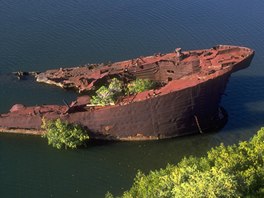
(39, 35)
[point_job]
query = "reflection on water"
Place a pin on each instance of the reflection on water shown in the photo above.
(39, 35)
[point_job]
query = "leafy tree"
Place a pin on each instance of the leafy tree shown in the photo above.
(140, 85)
(103, 97)
(62, 134)
(108, 96)
(226, 171)
(115, 86)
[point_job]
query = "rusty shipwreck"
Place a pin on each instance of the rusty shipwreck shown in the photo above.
(187, 103)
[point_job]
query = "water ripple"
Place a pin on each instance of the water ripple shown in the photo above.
(43, 34)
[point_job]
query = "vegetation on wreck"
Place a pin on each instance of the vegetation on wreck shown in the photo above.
(64, 135)
(226, 171)
(109, 95)
(140, 85)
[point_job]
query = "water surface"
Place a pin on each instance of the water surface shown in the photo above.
(45, 34)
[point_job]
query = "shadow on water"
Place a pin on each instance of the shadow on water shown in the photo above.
(92, 143)
(244, 102)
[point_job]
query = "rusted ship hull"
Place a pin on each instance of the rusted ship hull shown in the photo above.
(183, 106)
(192, 110)
(188, 111)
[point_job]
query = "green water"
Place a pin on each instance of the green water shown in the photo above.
(39, 35)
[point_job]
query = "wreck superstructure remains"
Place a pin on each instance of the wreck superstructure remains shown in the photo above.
(187, 103)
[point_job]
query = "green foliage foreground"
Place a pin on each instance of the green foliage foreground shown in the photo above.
(62, 134)
(226, 171)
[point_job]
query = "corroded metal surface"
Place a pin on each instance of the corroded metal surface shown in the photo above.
(187, 103)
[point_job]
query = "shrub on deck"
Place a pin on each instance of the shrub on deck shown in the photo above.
(109, 95)
(140, 85)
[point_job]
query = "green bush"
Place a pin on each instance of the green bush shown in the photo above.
(226, 171)
(140, 85)
(108, 96)
(62, 134)
(103, 97)
(115, 86)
